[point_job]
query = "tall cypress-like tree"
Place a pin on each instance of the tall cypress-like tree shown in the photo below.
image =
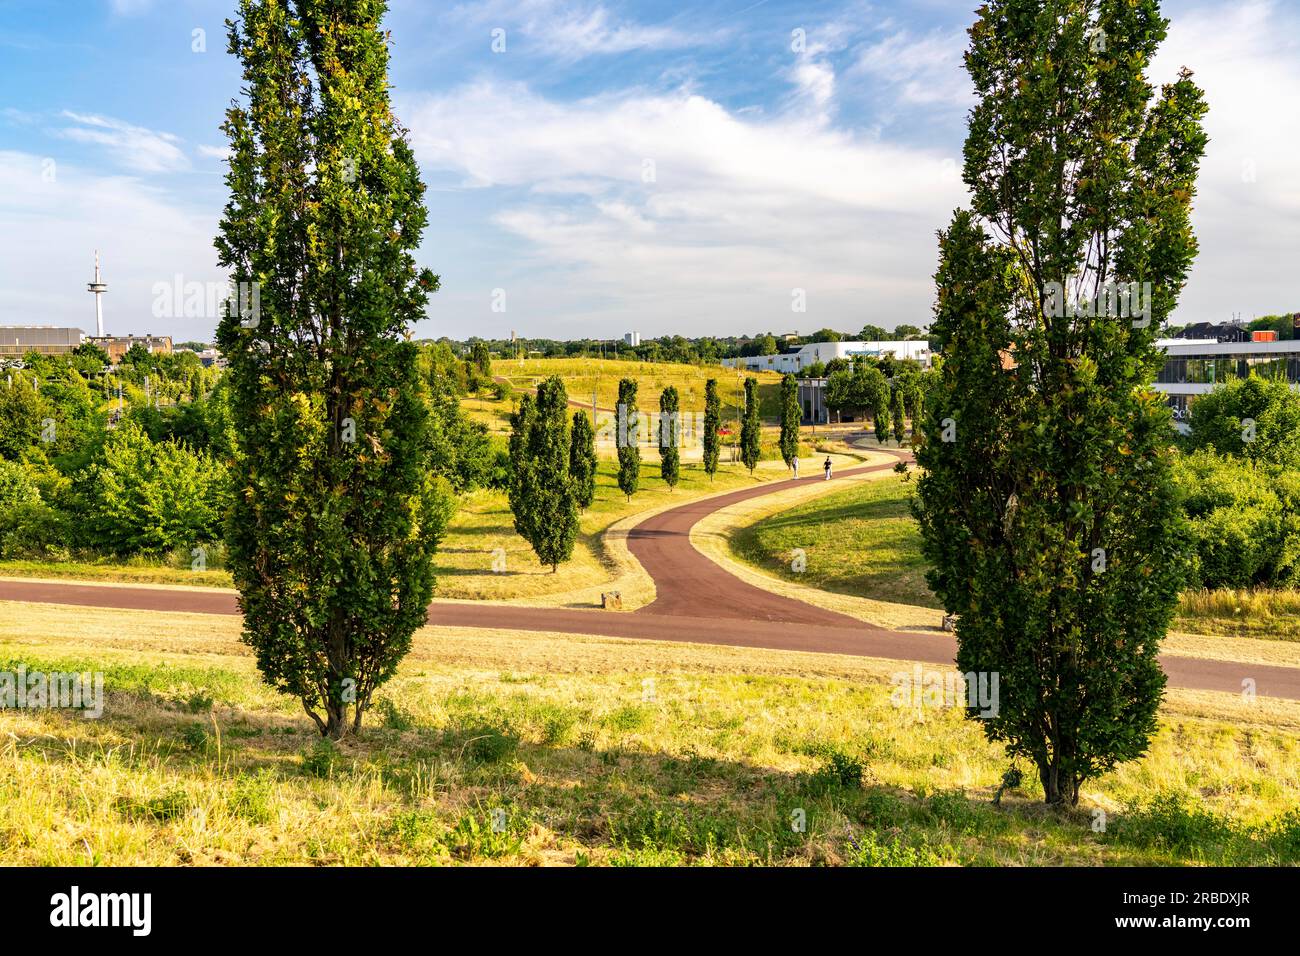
(582, 460)
(669, 437)
(553, 504)
(712, 422)
(629, 429)
(481, 358)
(335, 516)
(751, 434)
(896, 415)
(790, 415)
(880, 414)
(1046, 501)
(520, 490)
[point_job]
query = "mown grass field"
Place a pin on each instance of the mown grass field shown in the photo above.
(528, 749)
(863, 541)
(583, 377)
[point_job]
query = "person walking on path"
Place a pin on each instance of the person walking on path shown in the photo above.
(794, 463)
(826, 467)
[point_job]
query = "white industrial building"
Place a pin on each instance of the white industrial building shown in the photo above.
(814, 352)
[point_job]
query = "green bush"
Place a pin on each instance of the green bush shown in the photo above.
(33, 530)
(1244, 521)
(141, 497)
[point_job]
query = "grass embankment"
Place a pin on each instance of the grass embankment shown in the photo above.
(863, 541)
(583, 377)
(508, 748)
(482, 531)
(481, 537)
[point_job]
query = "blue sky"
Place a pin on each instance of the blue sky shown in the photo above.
(670, 168)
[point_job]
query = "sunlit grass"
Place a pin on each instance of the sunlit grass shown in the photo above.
(504, 747)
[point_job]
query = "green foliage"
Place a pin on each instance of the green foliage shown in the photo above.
(897, 424)
(481, 358)
(141, 497)
(17, 487)
(750, 428)
(542, 494)
(460, 449)
(861, 386)
(669, 436)
(1244, 521)
(519, 492)
(1254, 418)
(880, 414)
(712, 422)
(629, 451)
(582, 460)
(29, 528)
(335, 516)
(21, 411)
(1046, 500)
(790, 415)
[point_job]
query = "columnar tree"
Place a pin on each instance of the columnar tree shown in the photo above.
(880, 415)
(750, 429)
(335, 516)
(712, 422)
(481, 358)
(629, 428)
(896, 415)
(582, 460)
(1046, 503)
(519, 491)
(553, 504)
(790, 415)
(669, 436)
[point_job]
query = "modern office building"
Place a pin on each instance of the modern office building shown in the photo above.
(823, 352)
(1195, 366)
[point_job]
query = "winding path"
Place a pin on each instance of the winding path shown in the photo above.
(697, 601)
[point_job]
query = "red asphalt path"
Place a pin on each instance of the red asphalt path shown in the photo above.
(697, 602)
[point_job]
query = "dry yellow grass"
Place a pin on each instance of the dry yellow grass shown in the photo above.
(613, 751)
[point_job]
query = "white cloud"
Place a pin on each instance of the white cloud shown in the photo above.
(133, 147)
(129, 8)
(740, 210)
(57, 215)
(214, 152)
(1247, 211)
(919, 70)
(572, 29)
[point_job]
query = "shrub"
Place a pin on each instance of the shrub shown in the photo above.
(1244, 521)
(868, 850)
(33, 530)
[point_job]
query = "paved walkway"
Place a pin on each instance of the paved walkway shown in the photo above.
(698, 602)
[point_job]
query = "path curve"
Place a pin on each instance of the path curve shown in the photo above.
(697, 602)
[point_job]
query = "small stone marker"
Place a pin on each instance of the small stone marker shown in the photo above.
(611, 600)
(949, 622)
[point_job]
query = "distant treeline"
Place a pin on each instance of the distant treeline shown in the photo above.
(677, 348)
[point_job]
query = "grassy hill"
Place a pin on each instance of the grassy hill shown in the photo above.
(535, 749)
(582, 377)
